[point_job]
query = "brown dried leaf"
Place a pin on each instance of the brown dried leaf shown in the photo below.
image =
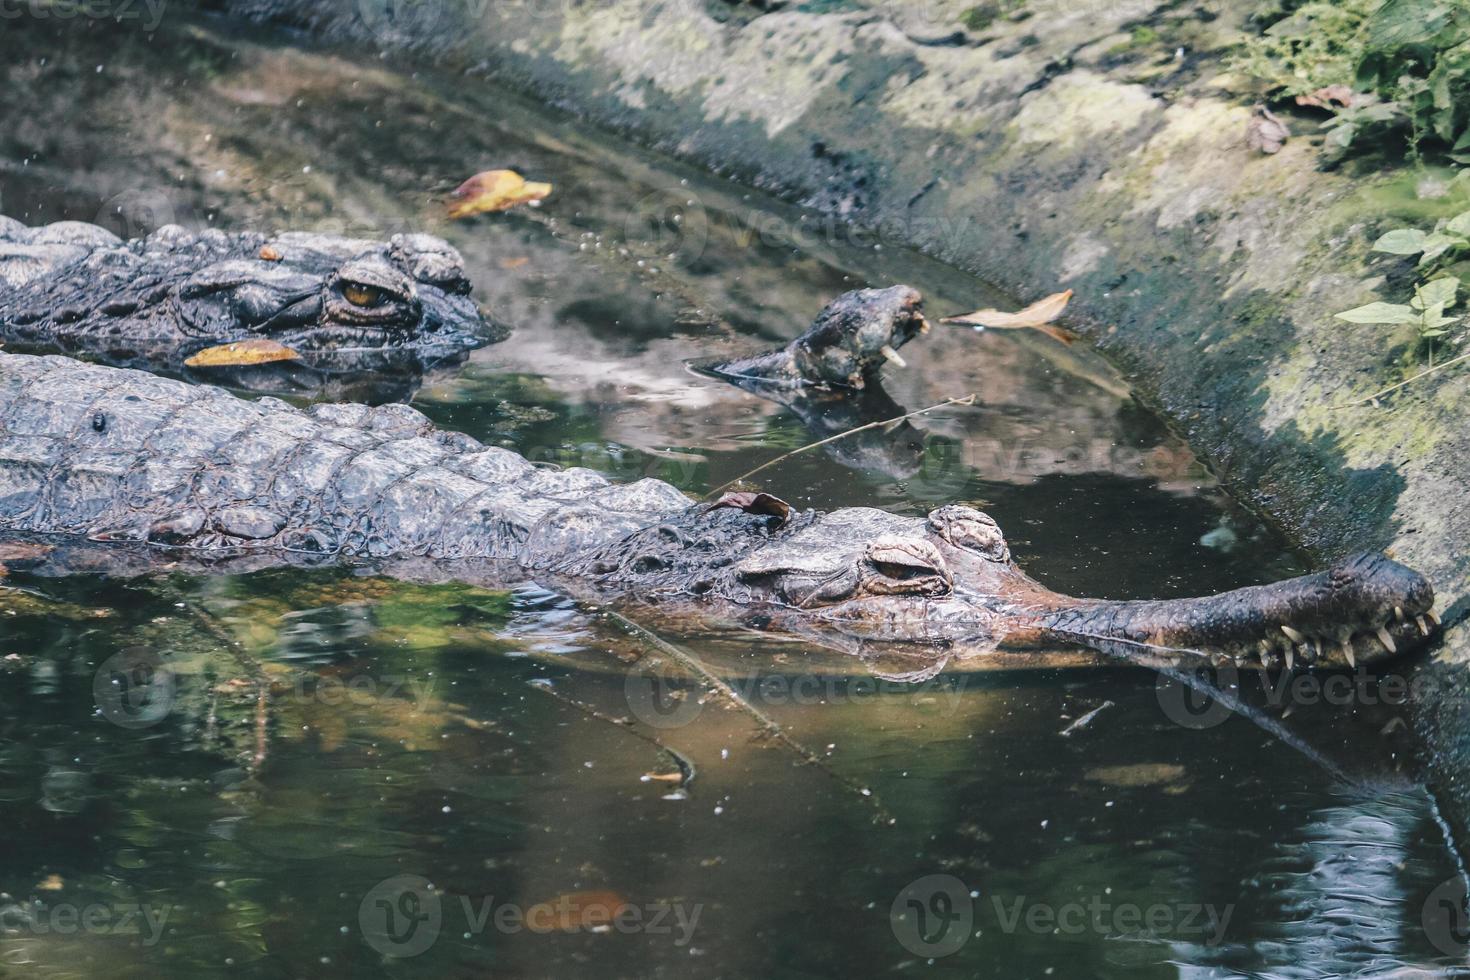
(754, 503)
(575, 912)
(242, 354)
(1037, 316)
(1323, 98)
(494, 190)
(1265, 132)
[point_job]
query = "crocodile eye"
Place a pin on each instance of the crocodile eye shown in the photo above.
(367, 297)
(900, 566)
(965, 527)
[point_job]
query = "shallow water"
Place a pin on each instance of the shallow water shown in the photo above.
(275, 767)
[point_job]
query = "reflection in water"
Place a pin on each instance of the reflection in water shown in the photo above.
(266, 764)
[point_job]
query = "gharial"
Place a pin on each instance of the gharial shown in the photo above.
(362, 317)
(118, 468)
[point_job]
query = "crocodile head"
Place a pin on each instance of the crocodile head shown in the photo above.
(328, 297)
(857, 333)
(865, 578)
(846, 346)
(347, 307)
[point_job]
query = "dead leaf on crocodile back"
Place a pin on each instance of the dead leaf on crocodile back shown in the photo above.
(1037, 316)
(495, 190)
(755, 503)
(242, 354)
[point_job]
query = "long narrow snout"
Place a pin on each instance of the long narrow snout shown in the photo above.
(1362, 609)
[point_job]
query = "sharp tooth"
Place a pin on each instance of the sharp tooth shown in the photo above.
(1293, 635)
(1347, 651)
(1423, 626)
(1290, 659)
(1432, 617)
(1316, 648)
(892, 355)
(1398, 613)
(924, 326)
(1386, 639)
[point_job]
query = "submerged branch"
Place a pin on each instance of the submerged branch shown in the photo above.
(768, 727)
(687, 770)
(207, 622)
(961, 400)
(1392, 388)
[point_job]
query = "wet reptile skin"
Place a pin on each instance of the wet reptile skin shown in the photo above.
(132, 463)
(356, 311)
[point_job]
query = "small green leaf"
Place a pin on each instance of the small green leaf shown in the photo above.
(1401, 241)
(1437, 244)
(1459, 225)
(1391, 313)
(1437, 292)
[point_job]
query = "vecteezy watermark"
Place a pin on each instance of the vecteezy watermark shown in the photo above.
(936, 916)
(138, 689)
(1446, 918)
(674, 222)
(134, 688)
(933, 916)
(403, 916)
(1100, 915)
(39, 918)
(135, 213)
(1206, 696)
(149, 13)
(666, 699)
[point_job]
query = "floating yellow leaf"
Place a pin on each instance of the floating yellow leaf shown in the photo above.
(494, 190)
(242, 354)
(51, 883)
(1037, 316)
(575, 911)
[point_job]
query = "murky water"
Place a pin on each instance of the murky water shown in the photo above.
(321, 774)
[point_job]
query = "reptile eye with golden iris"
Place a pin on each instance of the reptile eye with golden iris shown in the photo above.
(366, 297)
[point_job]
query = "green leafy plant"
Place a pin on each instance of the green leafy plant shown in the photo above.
(1425, 311)
(1386, 69)
(1435, 292)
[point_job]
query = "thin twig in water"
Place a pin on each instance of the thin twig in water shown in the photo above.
(686, 766)
(732, 697)
(963, 400)
(207, 622)
(1392, 388)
